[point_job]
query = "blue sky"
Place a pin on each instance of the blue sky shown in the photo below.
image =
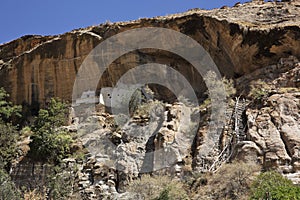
(49, 17)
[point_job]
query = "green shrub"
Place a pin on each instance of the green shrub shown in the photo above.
(272, 185)
(164, 195)
(8, 111)
(50, 146)
(52, 117)
(49, 143)
(229, 87)
(259, 91)
(7, 188)
(8, 132)
(60, 183)
(8, 147)
(149, 108)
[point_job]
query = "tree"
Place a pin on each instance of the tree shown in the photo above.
(52, 117)
(8, 111)
(49, 143)
(272, 185)
(8, 132)
(8, 147)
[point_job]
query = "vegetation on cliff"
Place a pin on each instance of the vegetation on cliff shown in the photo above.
(260, 130)
(49, 142)
(272, 185)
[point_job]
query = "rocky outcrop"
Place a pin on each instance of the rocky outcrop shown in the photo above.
(154, 139)
(285, 74)
(275, 129)
(239, 39)
(273, 123)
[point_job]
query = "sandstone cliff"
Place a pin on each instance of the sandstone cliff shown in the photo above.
(239, 39)
(256, 44)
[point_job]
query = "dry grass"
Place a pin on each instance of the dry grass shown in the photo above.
(231, 181)
(151, 187)
(34, 195)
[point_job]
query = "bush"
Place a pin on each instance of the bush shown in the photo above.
(8, 111)
(150, 108)
(231, 181)
(158, 188)
(52, 117)
(259, 91)
(50, 146)
(60, 183)
(34, 195)
(219, 89)
(8, 147)
(7, 188)
(49, 143)
(272, 185)
(164, 195)
(229, 87)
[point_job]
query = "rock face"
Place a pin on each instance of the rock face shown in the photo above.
(273, 125)
(275, 129)
(249, 42)
(155, 139)
(239, 39)
(119, 155)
